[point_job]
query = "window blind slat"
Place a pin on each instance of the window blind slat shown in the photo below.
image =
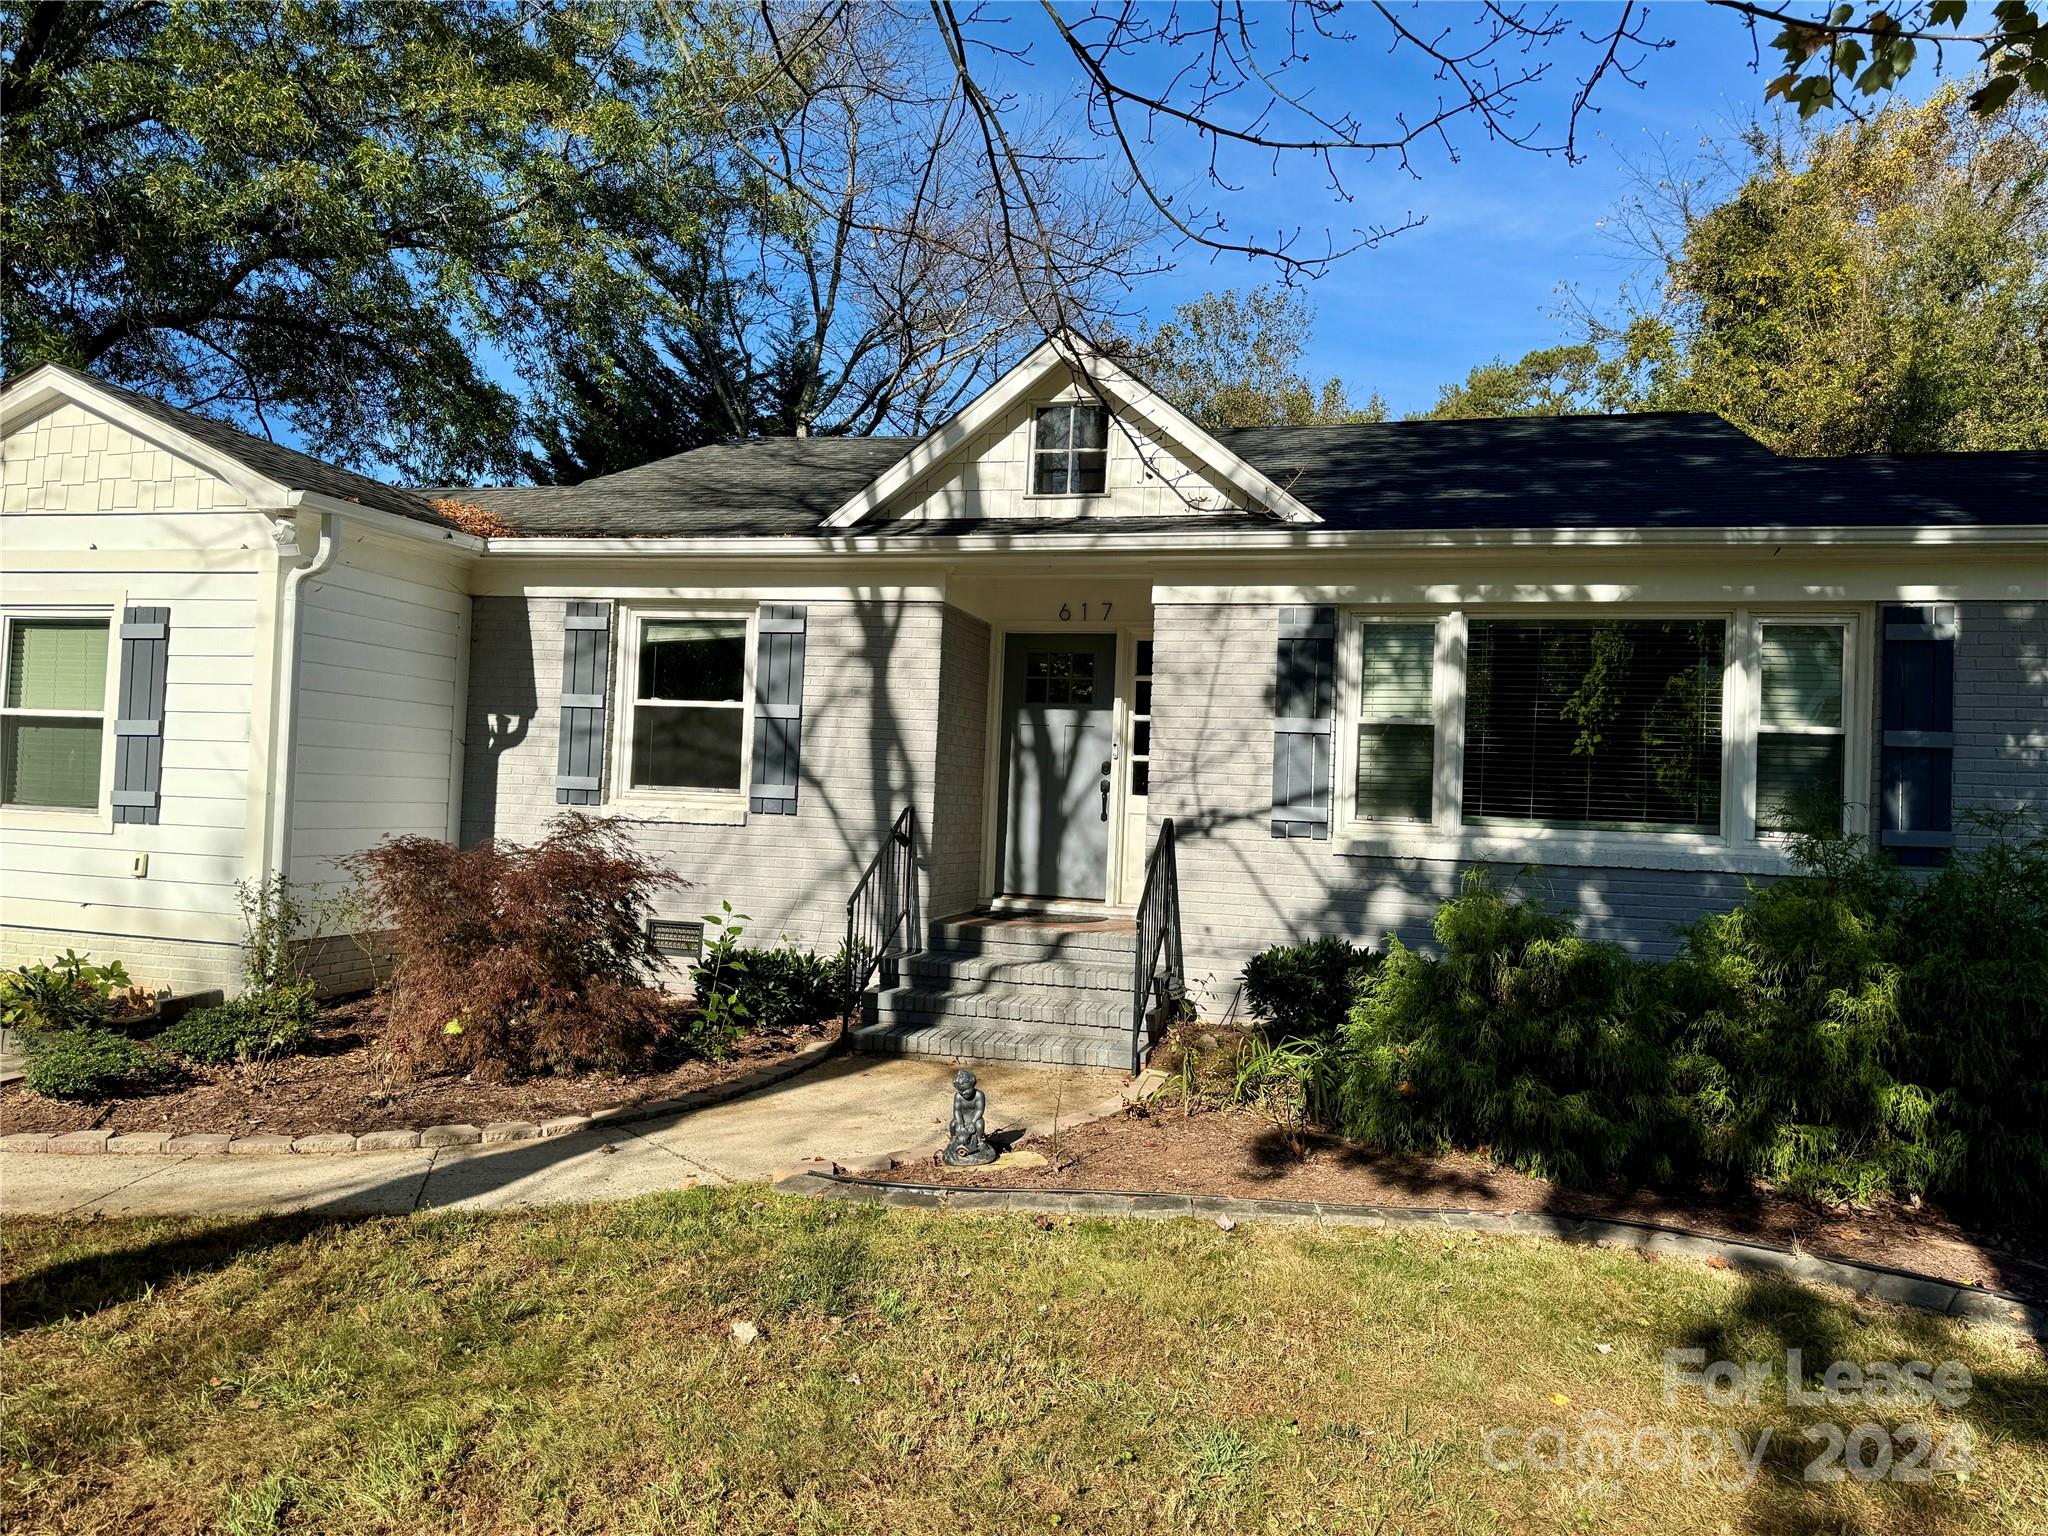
(1595, 724)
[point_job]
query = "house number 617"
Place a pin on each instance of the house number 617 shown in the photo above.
(1067, 612)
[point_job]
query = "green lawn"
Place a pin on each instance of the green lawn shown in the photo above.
(573, 1370)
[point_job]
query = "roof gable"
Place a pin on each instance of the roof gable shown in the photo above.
(1058, 367)
(265, 474)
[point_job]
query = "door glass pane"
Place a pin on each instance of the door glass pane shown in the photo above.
(1060, 678)
(1396, 768)
(686, 748)
(1399, 664)
(57, 664)
(50, 762)
(693, 658)
(1798, 783)
(1144, 658)
(1802, 676)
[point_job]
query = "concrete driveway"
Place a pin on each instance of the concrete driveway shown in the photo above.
(847, 1107)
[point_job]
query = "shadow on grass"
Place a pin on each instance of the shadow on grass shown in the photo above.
(1766, 1320)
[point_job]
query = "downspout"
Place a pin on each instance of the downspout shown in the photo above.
(290, 620)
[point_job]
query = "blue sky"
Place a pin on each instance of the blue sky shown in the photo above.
(1502, 228)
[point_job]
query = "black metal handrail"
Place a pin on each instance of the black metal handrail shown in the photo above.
(1158, 930)
(878, 911)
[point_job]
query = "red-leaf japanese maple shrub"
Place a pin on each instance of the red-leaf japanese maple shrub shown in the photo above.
(512, 959)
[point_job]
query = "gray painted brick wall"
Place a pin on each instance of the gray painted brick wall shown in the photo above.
(1241, 889)
(962, 763)
(871, 745)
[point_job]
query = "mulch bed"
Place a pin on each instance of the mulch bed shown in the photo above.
(1234, 1152)
(341, 1085)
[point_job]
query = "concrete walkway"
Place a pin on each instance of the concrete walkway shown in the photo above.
(850, 1106)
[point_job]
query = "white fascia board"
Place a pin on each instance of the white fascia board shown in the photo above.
(1186, 542)
(395, 525)
(1120, 388)
(41, 387)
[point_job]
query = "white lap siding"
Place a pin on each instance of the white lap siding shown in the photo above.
(383, 644)
(95, 515)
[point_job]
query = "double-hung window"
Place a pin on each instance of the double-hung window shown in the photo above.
(1070, 449)
(687, 708)
(1801, 735)
(1396, 760)
(53, 727)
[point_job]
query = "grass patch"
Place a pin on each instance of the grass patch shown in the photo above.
(573, 1370)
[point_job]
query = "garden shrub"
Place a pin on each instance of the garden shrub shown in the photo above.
(1304, 991)
(67, 993)
(515, 960)
(1793, 1053)
(1974, 951)
(1524, 1039)
(257, 1026)
(86, 1062)
(783, 988)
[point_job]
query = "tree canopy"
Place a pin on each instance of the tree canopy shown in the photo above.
(1881, 286)
(1230, 359)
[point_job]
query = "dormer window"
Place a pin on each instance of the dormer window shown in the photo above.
(1070, 450)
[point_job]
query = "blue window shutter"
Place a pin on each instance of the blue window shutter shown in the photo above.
(139, 725)
(586, 679)
(778, 708)
(1916, 819)
(1304, 717)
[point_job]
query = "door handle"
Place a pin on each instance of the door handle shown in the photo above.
(1105, 799)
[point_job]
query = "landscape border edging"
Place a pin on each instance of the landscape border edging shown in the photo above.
(330, 1143)
(1928, 1293)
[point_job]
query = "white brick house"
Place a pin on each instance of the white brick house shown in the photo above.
(1346, 662)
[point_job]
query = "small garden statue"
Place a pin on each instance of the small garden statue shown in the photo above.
(967, 1144)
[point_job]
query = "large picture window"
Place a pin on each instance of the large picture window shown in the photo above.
(53, 727)
(1070, 450)
(689, 710)
(1596, 725)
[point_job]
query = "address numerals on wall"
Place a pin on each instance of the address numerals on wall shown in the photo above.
(1089, 612)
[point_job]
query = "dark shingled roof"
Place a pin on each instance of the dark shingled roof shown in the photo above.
(287, 466)
(768, 485)
(1656, 470)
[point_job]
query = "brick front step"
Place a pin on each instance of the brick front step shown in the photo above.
(954, 1040)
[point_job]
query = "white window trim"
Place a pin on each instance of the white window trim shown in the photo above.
(1736, 849)
(717, 807)
(100, 817)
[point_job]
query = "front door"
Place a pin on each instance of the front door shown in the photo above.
(1059, 696)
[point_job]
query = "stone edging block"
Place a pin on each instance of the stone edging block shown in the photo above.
(819, 1179)
(340, 1143)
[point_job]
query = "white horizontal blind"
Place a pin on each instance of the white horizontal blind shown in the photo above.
(1595, 724)
(1396, 722)
(1800, 745)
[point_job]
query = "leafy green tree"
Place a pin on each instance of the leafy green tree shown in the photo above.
(1231, 359)
(322, 214)
(1880, 287)
(1876, 288)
